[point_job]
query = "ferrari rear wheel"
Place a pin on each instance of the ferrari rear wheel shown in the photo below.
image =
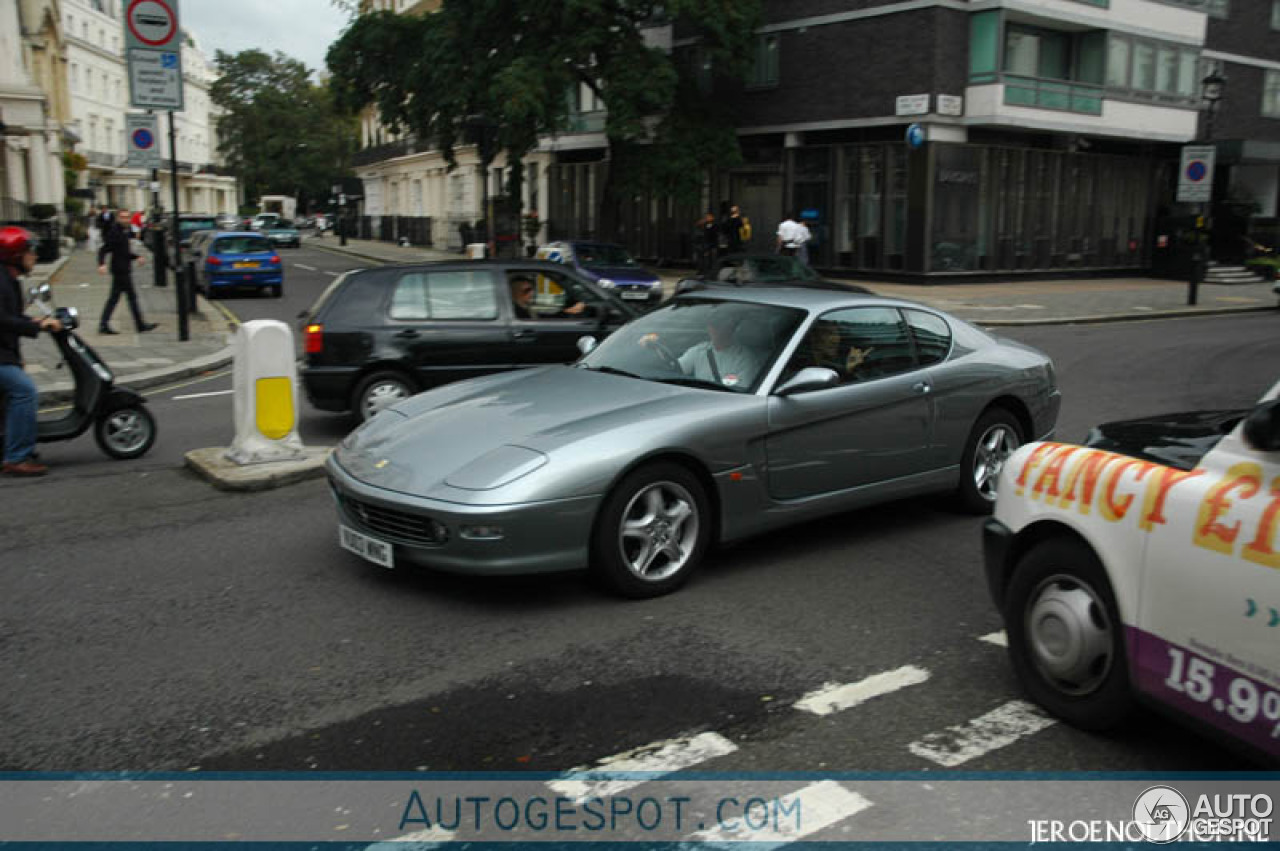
(653, 531)
(995, 436)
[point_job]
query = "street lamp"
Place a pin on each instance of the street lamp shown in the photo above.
(1210, 94)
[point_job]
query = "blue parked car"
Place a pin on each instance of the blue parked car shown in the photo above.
(226, 261)
(609, 265)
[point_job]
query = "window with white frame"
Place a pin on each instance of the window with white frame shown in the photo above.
(1271, 95)
(1144, 67)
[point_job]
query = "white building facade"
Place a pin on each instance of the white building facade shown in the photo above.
(33, 107)
(98, 81)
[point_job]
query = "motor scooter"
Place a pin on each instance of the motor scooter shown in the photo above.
(122, 425)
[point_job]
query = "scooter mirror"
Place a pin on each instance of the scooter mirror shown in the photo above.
(44, 292)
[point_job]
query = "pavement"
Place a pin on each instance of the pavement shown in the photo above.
(146, 360)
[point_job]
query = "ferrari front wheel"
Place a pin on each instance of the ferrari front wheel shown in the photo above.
(652, 532)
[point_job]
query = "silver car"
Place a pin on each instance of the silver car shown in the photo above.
(718, 416)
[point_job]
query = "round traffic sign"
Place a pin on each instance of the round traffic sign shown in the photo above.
(152, 22)
(915, 135)
(1196, 171)
(143, 139)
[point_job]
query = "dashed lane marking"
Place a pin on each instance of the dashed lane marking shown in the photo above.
(304, 266)
(835, 697)
(665, 757)
(998, 728)
(822, 804)
(999, 639)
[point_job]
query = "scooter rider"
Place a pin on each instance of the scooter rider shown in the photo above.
(17, 258)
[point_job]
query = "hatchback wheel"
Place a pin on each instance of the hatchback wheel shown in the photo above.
(652, 532)
(378, 391)
(994, 437)
(1066, 639)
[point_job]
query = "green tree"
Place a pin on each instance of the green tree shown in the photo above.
(504, 72)
(280, 132)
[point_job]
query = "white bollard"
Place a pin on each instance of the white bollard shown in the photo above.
(266, 382)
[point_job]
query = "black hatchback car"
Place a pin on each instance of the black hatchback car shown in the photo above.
(376, 336)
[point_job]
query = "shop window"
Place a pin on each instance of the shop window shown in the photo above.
(1218, 8)
(1271, 95)
(764, 68)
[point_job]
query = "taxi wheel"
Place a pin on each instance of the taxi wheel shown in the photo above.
(1066, 640)
(994, 437)
(652, 531)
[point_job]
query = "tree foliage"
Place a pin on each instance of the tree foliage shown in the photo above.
(504, 72)
(280, 132)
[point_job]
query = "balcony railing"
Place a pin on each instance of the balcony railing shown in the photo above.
(1052, 94)
(102, 158)
(390, 150)
(586, 122)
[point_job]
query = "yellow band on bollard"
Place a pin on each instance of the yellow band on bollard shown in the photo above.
(274, 398)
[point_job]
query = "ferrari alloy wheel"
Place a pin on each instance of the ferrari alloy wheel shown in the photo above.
(652, 531)
(995, 436)
(380, 390)
(126, 433)
(1065, 635)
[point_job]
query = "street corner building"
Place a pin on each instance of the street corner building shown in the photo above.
(927, 139)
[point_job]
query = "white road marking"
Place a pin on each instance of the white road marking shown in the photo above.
(432, 835)
(835, 697)
(999, 639)
(1002, 726)
(204, 395)
(658, 758)
(156, 361)
(304, 266)
(821, 804)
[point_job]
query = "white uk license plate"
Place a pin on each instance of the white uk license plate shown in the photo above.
(635, 294)
(378, 552)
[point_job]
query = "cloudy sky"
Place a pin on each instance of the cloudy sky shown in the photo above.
(301, 29)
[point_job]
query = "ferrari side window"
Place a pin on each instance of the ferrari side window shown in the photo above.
(932, 336)
(865, 342)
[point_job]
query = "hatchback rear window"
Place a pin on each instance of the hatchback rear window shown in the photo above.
(242, 245)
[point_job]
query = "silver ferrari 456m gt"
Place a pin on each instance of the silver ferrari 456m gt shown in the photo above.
(720, 415)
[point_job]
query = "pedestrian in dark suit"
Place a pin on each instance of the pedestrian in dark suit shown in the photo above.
(115, 243)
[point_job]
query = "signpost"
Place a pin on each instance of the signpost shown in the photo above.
(153, 50)
(1195, 186)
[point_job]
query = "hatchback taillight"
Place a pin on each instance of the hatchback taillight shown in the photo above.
(213, 261)
(275, 258)
(313, 339)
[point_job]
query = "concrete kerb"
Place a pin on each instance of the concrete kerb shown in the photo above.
(214, 467)
(1120, 317)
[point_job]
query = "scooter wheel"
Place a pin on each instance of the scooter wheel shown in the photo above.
(126, 432)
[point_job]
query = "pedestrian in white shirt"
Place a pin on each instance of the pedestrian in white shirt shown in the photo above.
(790, 235)
(802, 246)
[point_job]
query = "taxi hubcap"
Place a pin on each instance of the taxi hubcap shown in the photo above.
(659, 531)
(1069, 636)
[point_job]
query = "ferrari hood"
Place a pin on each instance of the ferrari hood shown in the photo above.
(481, 434)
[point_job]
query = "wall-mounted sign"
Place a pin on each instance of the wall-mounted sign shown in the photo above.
(912, 105)
(950, 105)
(915, 135)
(153, 51)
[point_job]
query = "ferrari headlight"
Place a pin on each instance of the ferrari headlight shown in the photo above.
(607, 283)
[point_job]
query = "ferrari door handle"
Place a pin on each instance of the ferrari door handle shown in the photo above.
(523, 334)
(407, 334)
(921, 387)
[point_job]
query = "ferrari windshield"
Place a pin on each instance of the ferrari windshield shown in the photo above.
(721, 345)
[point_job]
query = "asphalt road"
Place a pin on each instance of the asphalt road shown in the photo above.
(149, 622)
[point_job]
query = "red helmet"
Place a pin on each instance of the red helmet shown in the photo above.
(15, 242)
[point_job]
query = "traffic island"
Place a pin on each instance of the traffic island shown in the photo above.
(214, 466)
